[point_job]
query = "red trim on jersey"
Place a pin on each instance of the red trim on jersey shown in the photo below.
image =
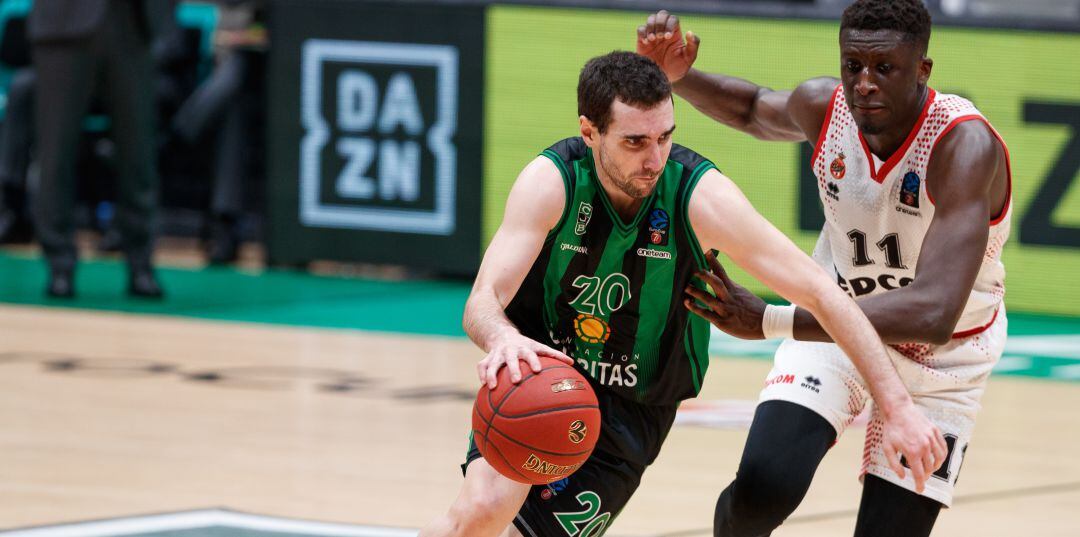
(978, 329)
(894, 159)
(825, 125)
(1008, 162)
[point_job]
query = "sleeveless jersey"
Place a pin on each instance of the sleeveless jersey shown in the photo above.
(877, 214)
(609, 292)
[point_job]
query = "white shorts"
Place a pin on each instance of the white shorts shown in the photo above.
(945, 381)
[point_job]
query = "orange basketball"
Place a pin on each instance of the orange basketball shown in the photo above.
(541, 429)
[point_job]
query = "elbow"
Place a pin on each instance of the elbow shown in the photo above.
(939, 324)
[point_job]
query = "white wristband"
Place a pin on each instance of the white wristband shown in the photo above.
(778, 321)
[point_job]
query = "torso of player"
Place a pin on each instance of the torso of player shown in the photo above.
(608, 290)
(877, 213)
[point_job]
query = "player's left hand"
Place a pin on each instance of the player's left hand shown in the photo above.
(734, 309)
(910, 433)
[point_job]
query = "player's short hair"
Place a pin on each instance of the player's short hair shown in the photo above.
(907, 16)
(633, 79)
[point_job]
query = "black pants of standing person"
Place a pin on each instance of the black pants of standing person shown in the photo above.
(116, 59)
(228, 108)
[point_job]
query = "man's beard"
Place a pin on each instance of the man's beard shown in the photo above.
(625, 185)
(873, 129)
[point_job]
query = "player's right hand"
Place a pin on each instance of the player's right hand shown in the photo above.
(661, 40)
(511, 350)
(910, 433)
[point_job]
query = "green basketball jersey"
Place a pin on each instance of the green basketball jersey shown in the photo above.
(609, 292)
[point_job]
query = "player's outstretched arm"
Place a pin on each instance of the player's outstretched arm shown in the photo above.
(742, 105)
(532, 209)
(722, 218)
(968, 181)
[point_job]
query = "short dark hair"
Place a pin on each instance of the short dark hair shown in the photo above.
(907, 16)
(632, 78)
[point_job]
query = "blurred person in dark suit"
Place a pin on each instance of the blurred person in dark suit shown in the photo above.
(78, 45)
(231, 100)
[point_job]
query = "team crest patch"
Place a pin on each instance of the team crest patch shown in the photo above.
(584, 214)
(909, 190)
(591, 329)
(837, 168)
(658, 227)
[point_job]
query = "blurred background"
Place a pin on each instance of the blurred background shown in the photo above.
(316, 181)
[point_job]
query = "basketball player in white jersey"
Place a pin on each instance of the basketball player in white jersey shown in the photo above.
(915, 186)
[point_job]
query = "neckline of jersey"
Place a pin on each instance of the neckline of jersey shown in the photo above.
(879, 174)
(616, 218)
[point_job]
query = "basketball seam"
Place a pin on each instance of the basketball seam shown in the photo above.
(495, 409)
(495, 449)
(524, 445)
(545, 411)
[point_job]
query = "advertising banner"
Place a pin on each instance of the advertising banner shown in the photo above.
(375, 122)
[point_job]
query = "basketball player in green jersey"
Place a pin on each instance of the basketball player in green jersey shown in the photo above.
(601, 235)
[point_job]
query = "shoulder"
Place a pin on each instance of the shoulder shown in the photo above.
(567, 150)
(538, 195)
(810, 104)
(688, 158)
(966, 138)
(969, 160)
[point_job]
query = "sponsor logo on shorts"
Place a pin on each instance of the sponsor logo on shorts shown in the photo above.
(553, 489)
(540, 466)
(812, 383)
(566, 385)
(577, 248)
(655, 254)
(781, 379)
(578, 431)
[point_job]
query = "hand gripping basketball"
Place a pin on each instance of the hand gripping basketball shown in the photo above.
(541, 429)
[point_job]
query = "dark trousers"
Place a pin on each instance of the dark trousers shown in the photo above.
(229, 106)
(116, 58)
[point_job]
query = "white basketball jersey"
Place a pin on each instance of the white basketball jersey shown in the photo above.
(877, 213)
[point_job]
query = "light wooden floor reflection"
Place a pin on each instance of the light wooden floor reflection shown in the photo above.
(105, 415)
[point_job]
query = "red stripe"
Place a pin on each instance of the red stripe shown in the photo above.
(977, 330)
(894, 159)
(1008, 162)
(825, 125)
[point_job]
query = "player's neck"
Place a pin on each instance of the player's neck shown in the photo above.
(883, 145)
(625, 205)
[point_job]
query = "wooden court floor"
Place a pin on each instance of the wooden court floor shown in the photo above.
(107, 415)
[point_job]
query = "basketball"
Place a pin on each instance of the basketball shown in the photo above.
(541, 429)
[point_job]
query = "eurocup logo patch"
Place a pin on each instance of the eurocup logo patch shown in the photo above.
(379, 122)
(909, 190)
(658, 227)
